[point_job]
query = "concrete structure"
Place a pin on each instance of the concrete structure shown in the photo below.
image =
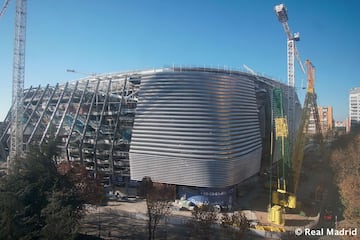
(193, 126)
(354, 106)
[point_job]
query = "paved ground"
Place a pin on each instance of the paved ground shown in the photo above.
(124, 220)
(127, 220)
(109, 223)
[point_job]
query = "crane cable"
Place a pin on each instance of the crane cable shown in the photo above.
(6, 3)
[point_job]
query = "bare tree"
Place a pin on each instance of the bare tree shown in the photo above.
(345, 161)
(158, 202)
(88, 187)
(203, 219)
(234, 224)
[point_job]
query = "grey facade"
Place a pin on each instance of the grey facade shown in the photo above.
(196, 129)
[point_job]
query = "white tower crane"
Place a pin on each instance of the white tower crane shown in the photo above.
(292, 52)
(3, 9)
(16, 132)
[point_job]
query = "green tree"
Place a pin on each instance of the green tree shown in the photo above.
(10, 206)
(61, 214)
(35, 199)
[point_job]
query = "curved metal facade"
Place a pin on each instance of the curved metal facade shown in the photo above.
(196, 129)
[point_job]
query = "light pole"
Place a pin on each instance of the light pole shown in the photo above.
(83, 73)
(99, 221)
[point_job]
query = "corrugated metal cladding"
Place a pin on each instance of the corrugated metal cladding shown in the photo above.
(196, 128)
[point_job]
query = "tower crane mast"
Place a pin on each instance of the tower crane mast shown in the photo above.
(16, 132)
(292, 52)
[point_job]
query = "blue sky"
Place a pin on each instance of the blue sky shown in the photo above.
(98, 36)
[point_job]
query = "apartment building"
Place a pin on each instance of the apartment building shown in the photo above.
(326, 119)
(354, 106)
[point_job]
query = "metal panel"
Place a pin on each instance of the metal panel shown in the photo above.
(196, 128)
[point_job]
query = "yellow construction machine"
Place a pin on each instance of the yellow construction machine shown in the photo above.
(289, 166)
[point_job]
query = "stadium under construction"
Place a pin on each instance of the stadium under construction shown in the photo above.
(197, 128)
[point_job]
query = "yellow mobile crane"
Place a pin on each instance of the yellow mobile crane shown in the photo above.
(288, 177)
(310, 107)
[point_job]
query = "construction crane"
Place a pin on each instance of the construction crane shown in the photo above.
(281, 150)
(284, 195)
(310, 108)
(3, 9)
(16, 131)
(292, 52)
(280, 197)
